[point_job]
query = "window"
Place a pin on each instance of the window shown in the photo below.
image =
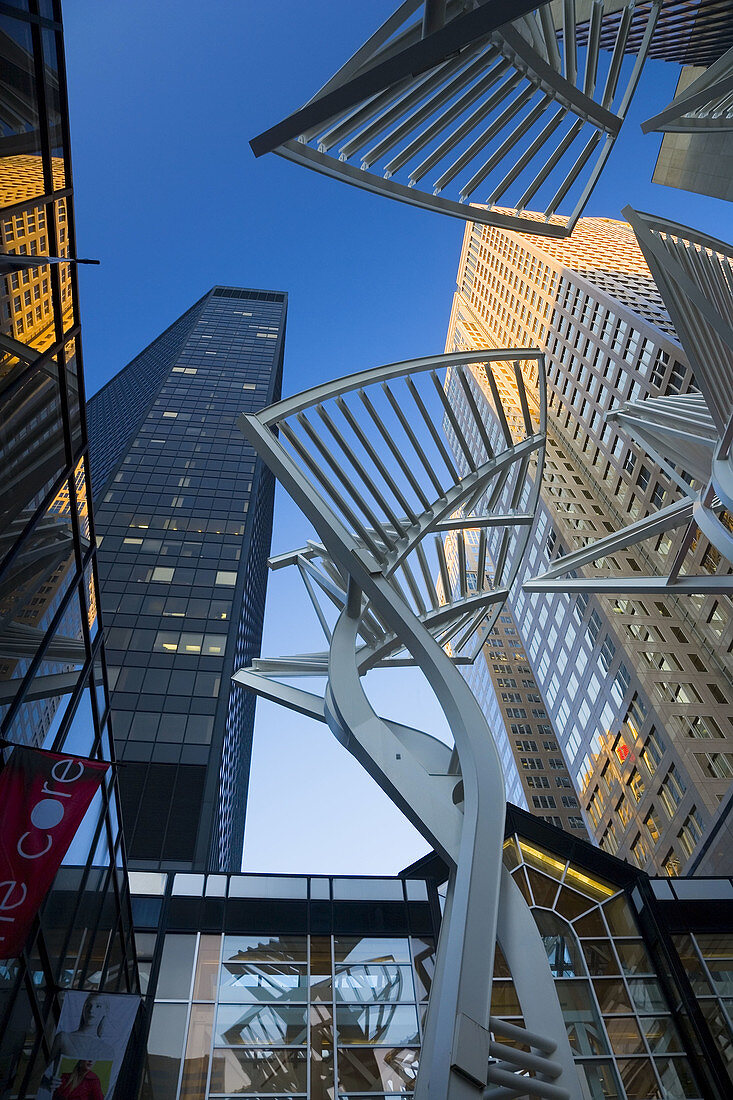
(691, 831)
(636, 785)
(162, 573)
(639, 850)
(671, 791)
(653, 751)
(226, 577)
(543, 801)
(652, 826)
(718, 765)
(702, 726)
(623, 812)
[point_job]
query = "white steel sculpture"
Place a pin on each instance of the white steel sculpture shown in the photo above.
(690, 435)
(450, 103)
(365, 460)
(705, 106)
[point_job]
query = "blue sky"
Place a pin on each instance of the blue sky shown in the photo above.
(164, 99)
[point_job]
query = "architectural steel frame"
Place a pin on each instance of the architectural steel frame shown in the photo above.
(493, 96)
(689, 435)
(392, 467)
(705, 106)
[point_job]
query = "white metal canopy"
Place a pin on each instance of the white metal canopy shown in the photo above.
(450, 103)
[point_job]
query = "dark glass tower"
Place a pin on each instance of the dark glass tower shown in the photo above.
(184, 515)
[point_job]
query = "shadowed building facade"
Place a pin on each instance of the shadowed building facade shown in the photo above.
(53, 679)
(185, 518)
(637, 688)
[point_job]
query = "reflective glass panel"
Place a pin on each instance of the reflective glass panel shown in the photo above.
(715, 946)
(174, 980)
(248, 982)
(624, 1036)
(207, 969)
(620, 918)
(600, 957)
(374, 982)
(383, 1070)
(638, 1079)
(504, 1001)
(677, 1080)
(600, 1080)
(198, 1047)
(423, 954)
(591, 924)
(612, 996)
(366, 949)
(721, 972)
(534, 856)
(544, 888)
(21, 160)
(585, 1030)
(661, 1034)
(561, 945)
(261, 1025)
(572, 904)
(382, 1025)
(264, 1071)
(634, 957)
(647, 995)
(165, 1048)
(265, 949)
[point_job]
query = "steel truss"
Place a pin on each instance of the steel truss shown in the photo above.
(705, 106)
(444, 106)
(689, 435)
(365, 462)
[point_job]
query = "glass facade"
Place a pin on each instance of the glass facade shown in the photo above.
(645, 1006)
(184, 514)
(317, 987)
(53, 681)
(299, 987)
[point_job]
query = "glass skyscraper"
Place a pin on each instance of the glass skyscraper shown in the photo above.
(53, 682)
(637, 689)
(184, 514)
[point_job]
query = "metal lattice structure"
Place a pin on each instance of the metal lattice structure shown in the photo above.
(445, 106)
(690, 435)
(705, 106)
(366, 463)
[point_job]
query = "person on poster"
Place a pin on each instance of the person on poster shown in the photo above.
(81, 1083)
(87, 1048)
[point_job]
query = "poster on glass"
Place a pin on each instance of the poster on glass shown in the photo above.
(89, 1046)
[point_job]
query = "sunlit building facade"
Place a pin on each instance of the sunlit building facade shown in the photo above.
(535, 771)
(637, 689)
(184, 515)
(53, 681)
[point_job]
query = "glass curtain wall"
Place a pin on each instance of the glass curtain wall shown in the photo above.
(53, 689)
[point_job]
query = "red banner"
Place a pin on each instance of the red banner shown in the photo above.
(43, 798)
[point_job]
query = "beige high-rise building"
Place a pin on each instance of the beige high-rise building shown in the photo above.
(638, 689)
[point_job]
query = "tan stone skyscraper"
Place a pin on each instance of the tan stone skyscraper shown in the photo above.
(638, 689)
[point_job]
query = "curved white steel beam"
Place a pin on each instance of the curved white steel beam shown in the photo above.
(483, 107)
(454, 797)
